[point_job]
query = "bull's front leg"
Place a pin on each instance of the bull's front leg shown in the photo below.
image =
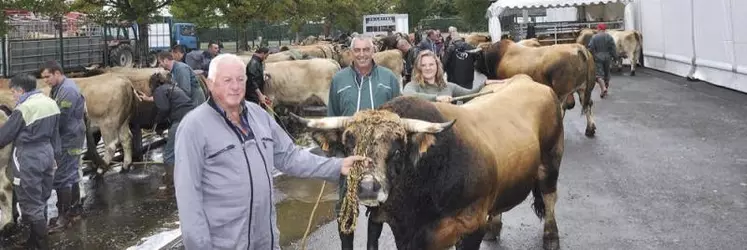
(633, 61)
(493, 228)
(374, 229)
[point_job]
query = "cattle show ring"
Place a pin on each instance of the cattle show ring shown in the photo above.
(545, 149)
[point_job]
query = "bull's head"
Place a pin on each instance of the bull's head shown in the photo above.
(392, 142)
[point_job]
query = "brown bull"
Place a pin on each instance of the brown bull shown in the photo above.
(436, 181)
(567, 68)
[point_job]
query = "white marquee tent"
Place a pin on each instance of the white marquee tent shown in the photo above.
(701, 39)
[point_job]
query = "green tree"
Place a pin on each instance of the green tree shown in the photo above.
(472, 12)
(416, 10)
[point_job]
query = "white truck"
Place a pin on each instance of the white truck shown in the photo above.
(381, 23)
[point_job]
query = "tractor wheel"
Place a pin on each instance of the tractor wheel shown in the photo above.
(152, 60)
(122, 56)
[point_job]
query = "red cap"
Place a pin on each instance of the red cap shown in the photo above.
(601, 26)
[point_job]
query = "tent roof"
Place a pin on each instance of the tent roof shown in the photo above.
(501, 5)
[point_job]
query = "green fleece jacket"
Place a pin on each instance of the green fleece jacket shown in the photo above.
(351, 92)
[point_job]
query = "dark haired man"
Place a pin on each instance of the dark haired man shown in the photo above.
(71, 104)
(33, 129)
(200, 60)
(255, 80)
(183, 76)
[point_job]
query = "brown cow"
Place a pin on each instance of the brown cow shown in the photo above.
(628, 42)
(475, 39)
(294, 82)
(435, 181)
(567, 68)
(6, 185)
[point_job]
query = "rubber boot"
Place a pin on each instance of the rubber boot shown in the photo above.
(346, 239)
(38, 237)
(64, 196)
(76, 206)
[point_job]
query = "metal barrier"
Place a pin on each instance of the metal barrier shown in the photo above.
(564, 32)
(34, 40)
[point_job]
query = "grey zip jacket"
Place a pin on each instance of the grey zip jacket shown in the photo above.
(223, 177)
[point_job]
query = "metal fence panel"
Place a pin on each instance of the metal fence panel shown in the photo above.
(3, 57)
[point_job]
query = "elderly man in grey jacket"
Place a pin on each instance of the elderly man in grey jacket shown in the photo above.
(225, 150)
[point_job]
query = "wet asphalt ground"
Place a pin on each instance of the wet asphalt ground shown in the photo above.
(667, 170)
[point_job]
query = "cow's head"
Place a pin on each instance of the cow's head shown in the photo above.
(394, 143)
(158, 78)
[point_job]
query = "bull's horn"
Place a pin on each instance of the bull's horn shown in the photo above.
(419, 126)
(92, 67)
(323, 123)
(474, 50)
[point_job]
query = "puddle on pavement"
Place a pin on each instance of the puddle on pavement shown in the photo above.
(294, 209)
(119, 209)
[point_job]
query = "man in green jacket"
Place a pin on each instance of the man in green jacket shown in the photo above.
(363, 85)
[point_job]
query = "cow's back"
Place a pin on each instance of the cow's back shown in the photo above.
(109, 98)
(292, 82)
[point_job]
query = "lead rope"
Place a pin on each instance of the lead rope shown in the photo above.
(348, 216)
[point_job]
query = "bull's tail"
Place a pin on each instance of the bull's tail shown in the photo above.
(539, 203)
(591, 80)
(91, 145)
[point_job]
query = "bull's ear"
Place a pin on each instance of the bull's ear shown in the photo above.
(330, 141)
(419, 145)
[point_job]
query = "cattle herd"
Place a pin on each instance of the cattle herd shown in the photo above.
(509, 142)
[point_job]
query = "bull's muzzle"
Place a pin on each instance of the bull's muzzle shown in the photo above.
(369, 191)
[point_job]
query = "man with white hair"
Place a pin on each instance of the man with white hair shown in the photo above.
(225, 150)
(362, 85)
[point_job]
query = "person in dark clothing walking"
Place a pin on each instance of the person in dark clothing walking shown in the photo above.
(33, 127)
(602, 45)
(72, 134)
(255, 77)
(172, 104)
(410, 53)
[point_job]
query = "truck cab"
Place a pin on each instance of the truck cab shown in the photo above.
(161, 37)
(184, 34)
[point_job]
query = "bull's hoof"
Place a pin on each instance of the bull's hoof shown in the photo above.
(490, 236)
(550, 242)
(591, 131)
(632, 73)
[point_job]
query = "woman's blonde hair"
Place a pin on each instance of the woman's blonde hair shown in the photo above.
(417, 72)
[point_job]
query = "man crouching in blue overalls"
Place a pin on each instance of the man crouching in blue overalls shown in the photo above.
(33, 129)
